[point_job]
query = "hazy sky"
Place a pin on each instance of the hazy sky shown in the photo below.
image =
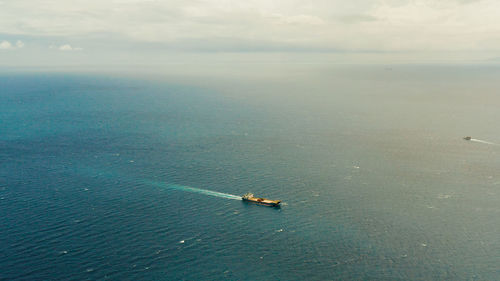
(49, 31)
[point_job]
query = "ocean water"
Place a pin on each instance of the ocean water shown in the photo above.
(129, 178)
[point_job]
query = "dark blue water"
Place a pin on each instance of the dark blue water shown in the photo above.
(126, 179)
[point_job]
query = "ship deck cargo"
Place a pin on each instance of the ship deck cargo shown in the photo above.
(262, 201)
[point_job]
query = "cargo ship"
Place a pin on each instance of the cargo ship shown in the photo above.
(262, 201)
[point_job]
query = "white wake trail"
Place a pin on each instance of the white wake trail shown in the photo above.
(110, 175)
(482, 141)
(194, 190)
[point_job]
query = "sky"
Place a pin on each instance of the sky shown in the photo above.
(94, 32)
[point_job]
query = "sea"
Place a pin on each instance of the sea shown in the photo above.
(123, 176)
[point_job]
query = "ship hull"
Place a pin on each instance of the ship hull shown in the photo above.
(269, 204)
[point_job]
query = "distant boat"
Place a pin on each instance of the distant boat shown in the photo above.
(262, 201)
(467, 138)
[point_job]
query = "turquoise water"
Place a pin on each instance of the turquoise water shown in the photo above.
(136, 179)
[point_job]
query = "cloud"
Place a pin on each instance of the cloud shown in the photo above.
(65, 48)
(298, 19)
(357, 18)
(6, 45)
(382, 25)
